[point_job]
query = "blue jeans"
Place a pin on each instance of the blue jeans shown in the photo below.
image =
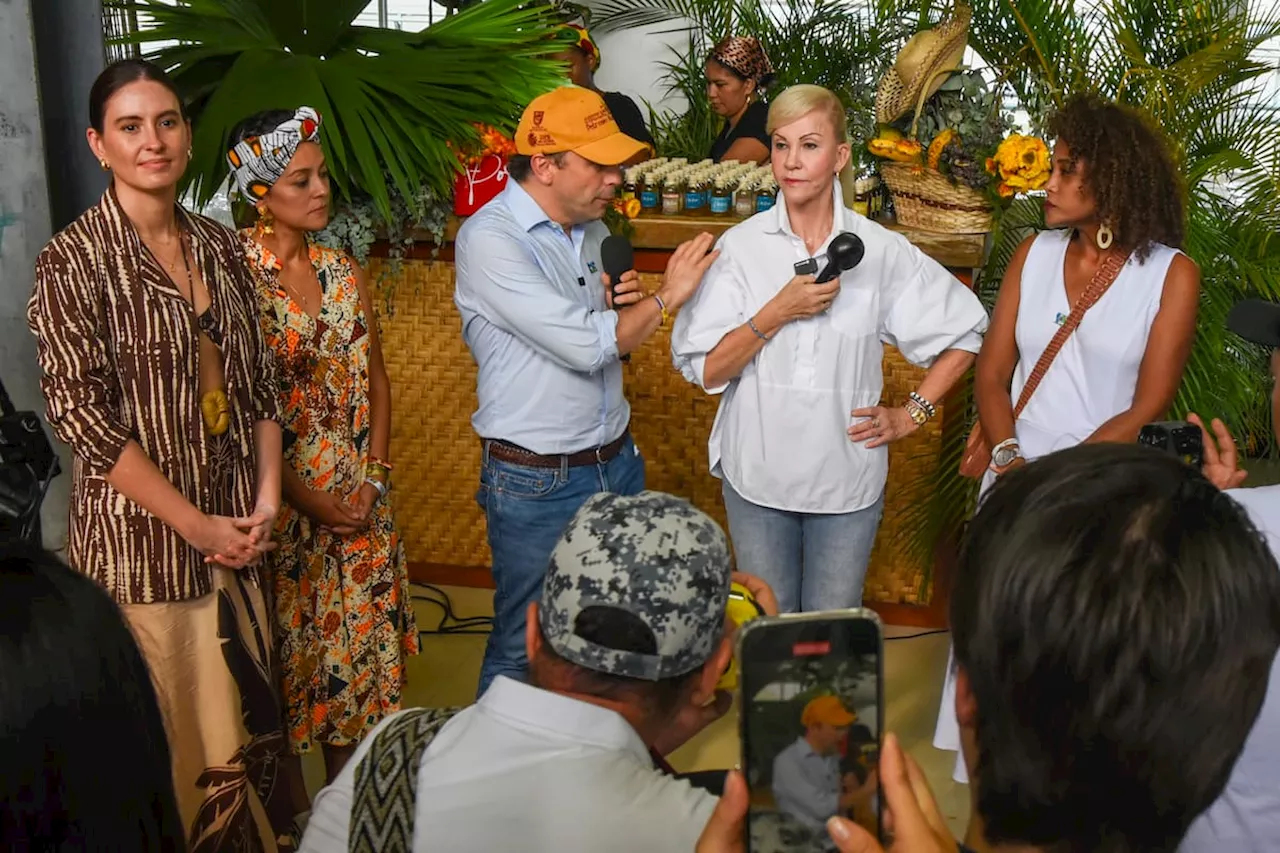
(813, 562)
(526, 510)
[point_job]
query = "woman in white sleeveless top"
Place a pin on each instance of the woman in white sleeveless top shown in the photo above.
(1114, 190)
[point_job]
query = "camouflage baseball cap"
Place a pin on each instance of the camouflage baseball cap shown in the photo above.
(653, 555)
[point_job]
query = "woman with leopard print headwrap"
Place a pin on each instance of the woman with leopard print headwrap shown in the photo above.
(737, 73)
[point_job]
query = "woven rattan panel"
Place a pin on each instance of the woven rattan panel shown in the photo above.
(437, 455)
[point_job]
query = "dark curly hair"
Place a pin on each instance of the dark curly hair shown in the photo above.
(1130, 170)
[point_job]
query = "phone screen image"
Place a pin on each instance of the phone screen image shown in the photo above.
(811, 715)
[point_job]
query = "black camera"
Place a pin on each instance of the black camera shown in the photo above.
(1180, 438)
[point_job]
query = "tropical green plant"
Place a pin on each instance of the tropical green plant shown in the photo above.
(393, 101)
(1195, 66)
(844, 45)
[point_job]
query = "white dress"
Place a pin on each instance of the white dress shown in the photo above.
(1092, 380)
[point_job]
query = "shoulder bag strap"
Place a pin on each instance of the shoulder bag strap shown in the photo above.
(1105, 276)
(385, 793)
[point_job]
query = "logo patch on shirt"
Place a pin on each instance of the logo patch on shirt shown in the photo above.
(1060, 319)
(591, 266)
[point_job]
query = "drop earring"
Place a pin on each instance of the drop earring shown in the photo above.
(266, 223)
(106, 167)
(1105, 237)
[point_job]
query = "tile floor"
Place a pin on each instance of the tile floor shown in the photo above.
(446, 673)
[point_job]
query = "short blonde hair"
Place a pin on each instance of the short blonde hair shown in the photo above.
(796, 102)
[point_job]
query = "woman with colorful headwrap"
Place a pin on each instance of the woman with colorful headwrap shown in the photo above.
(737, 73)
(583, 57)
(344, 616)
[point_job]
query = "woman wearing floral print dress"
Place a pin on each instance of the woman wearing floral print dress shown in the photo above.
(344, 614)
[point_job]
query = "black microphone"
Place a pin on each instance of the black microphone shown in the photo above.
(844, 253)
(617, 257)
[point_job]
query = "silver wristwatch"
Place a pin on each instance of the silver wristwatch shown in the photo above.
(1005, 452)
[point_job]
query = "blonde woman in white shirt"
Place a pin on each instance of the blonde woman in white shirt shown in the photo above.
(800, 438)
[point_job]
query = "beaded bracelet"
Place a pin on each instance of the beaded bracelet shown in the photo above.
(751, 323)
(918, 415)
(924, 404)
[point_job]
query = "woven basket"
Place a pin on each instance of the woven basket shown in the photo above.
(925, 198)
(922, 197)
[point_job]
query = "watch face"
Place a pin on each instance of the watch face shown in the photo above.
(1004, 456)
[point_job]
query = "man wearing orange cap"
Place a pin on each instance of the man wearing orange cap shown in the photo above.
(807, 784)
(547, 339)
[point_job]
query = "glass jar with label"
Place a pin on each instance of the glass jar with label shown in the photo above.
(629, 185)
(695, 196)
(766, 197)
(672, 196)
(744, 200)
(721, 199)
(865, 196)
(649, 192)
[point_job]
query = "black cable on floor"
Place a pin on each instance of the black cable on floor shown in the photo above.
(450, 623)
(920, 634)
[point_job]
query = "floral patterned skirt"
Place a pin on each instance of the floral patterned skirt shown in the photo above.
(345, 627)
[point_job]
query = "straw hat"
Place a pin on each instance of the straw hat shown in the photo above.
(917, 70)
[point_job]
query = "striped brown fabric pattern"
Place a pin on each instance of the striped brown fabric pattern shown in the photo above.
(119, 350)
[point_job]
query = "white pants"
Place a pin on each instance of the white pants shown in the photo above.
(946, 735)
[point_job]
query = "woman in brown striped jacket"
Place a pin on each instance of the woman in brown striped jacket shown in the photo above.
(156, 375)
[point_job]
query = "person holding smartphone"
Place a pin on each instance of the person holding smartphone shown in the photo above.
(1111, 667)
(626, 647)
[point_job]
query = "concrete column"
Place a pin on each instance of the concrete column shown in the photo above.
(70, 54)
(24, 224)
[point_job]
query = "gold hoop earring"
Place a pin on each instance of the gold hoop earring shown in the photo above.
(106, 167)
(1105, 237)
(266, 223)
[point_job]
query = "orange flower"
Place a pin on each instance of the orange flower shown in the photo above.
(632, 208)
(492, 142)
(1005, 190)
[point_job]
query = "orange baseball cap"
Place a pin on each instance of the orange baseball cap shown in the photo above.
(829, 710)
(575, 119)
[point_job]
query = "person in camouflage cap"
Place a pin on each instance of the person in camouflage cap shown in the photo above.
(625, 651)
(653, 556)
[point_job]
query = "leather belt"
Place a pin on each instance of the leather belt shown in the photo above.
(505, 452)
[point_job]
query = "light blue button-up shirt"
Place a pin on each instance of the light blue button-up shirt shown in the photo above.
(806, 785)
(534, 317)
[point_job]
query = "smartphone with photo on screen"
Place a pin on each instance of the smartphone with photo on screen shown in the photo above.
(812, 707)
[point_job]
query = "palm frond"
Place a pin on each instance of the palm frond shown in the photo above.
(393, 101)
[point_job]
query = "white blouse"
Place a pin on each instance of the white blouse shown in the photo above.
(779, 435)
